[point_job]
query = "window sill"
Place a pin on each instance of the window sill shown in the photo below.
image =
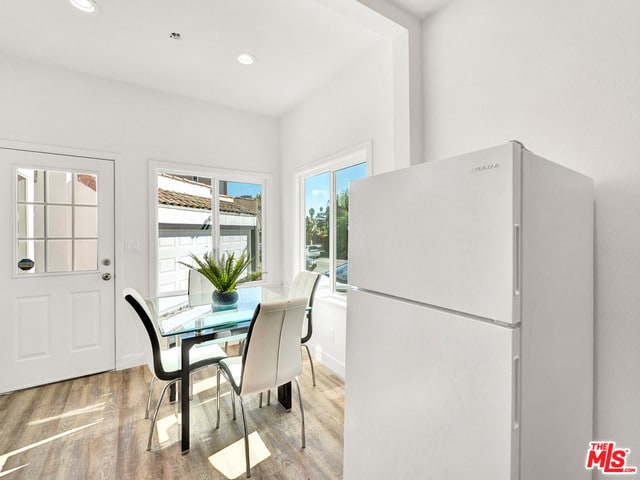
(332, 297)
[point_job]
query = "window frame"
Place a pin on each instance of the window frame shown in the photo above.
(343, 159)
(15, 272)
(216, 174)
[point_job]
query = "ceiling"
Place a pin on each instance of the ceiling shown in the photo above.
(421, 8)
(299, 45)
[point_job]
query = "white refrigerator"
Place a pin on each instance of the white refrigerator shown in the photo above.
(469, 351)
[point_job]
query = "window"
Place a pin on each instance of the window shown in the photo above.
(205, 213)
(57, 218)
(326, 216)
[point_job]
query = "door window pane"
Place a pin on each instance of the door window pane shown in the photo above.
(30, 185)
(317, 222)
(86, 222)
(30, 221)
(59, 221)
(32, 250)
(86, 255)
(86, 189)
(59, 256)
(58, 187)
(48, 221)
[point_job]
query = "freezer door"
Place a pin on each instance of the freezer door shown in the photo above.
(445, 233)
(441, 403)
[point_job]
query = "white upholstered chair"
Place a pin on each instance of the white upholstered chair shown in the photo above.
(305, 285)
(271, 357)
(198, 283)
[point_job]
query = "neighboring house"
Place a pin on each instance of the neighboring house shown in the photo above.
(184, 227)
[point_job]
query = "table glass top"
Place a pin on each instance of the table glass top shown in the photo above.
(179, 314)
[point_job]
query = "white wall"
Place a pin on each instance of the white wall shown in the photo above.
(355, 107)
(407, 71)
(405, 31)
(563, 78)
(52, 106)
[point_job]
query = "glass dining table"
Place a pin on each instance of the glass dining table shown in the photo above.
(194, 319)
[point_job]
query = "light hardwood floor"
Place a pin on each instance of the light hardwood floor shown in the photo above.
(94, 428)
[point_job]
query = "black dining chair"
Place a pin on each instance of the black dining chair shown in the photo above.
(165, 365)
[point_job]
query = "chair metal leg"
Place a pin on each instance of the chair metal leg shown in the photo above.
(304, 442)
(155, 414)
(313, 372)
(233, 402)
(217, 397)
(146, 413)
(246, 438)
(233, 396)
(268, 398)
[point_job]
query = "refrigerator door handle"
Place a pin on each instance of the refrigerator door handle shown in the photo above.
(516, 260)
(516, 393)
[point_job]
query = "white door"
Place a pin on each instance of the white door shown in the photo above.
(442, 233)
(57, 269)
(442, 404)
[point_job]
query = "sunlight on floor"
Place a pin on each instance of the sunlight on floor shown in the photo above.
(163, 425)
(5, 457)
(79, 411)
(207, 384)
(2, 474)
(230, 461)
(213, 399)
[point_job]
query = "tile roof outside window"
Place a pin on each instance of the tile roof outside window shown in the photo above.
(179, 199)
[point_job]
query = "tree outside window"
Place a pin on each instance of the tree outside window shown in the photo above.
(326, 234)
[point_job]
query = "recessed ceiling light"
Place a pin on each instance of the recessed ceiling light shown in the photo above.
(86, 6)
(246, 58)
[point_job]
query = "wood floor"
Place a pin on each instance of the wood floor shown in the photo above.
(94, 428)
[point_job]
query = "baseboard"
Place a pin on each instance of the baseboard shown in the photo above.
(332, 364)
(130, 361)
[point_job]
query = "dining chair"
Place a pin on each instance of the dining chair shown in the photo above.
(199, 284)
(165, 365)
(305, 285)
(271, 358)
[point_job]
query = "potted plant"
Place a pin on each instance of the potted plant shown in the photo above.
(224, 273)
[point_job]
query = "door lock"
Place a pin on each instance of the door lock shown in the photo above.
(106, 262)
(106, 276)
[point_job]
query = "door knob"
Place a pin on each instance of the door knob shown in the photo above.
(106, 276)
